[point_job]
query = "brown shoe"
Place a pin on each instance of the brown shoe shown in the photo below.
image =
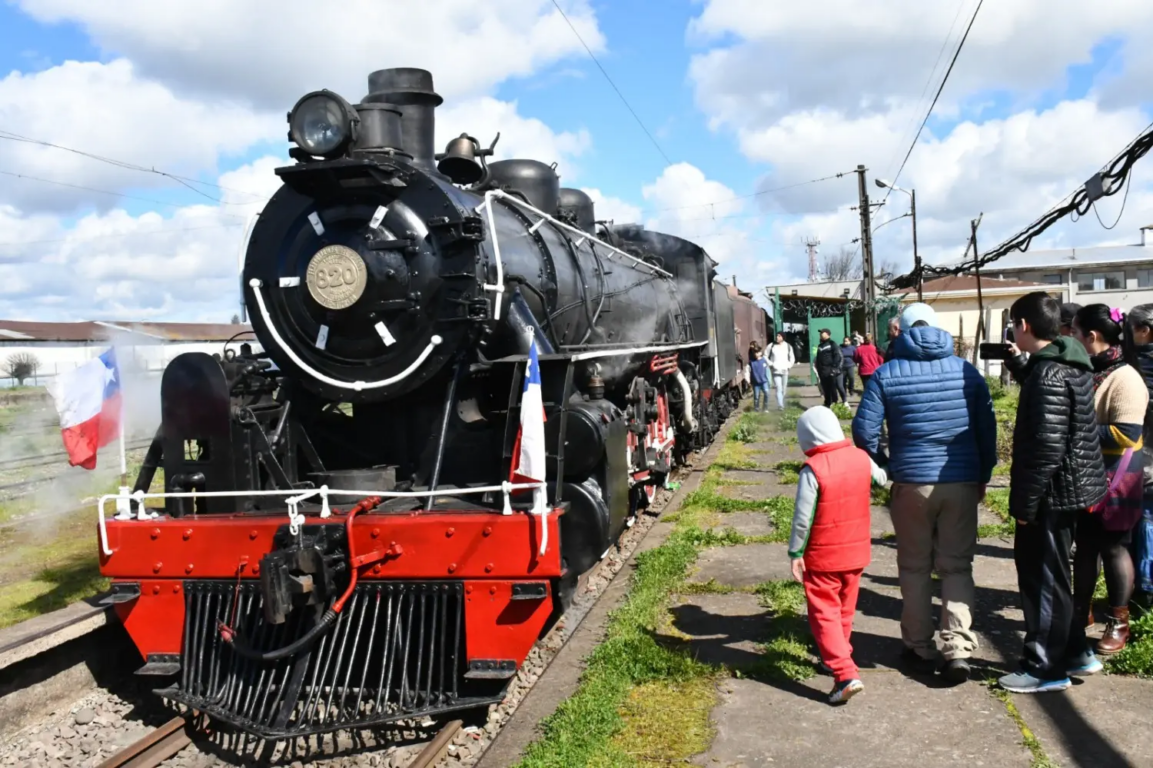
(1116, 632)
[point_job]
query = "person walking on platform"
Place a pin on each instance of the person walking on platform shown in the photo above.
(848, 354)
(868, 360)
(781, 360)
(759, 371)
(829, 544)
(941, 454)
(830, 369)
(1057, 472)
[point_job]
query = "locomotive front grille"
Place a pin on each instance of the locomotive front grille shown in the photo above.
(395, 652)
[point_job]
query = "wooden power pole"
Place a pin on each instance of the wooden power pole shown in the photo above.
(869, 294)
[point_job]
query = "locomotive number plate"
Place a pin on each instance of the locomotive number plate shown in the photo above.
(336, 277)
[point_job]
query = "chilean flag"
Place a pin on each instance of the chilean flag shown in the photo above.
(88, 400)
(528, 465)
(528, 455)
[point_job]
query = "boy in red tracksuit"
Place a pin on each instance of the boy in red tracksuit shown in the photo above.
(830, 540)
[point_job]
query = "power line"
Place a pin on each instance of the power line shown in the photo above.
(116, 236)
(26, 177)
(941, 88)
(1106, 182)
(184, 181)
(751, 194)
(929, 78)
(614, 85)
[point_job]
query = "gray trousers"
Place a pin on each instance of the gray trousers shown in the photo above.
(936, 528)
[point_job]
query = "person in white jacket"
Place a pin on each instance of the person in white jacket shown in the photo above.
(781, 359)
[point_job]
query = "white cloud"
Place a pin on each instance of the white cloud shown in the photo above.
(270, 52)
(176, 265)
(108, 110)
(860, 57)
(613, 208)
(816, 89)
(677, 205)
(520, 136)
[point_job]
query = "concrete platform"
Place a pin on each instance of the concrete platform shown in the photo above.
(896, 723)
(744, 565)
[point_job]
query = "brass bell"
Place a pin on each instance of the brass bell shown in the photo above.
(459, 161)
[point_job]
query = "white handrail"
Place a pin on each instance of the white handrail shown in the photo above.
(295, 496)
(358, 386)
(635, 350)
(563, 225)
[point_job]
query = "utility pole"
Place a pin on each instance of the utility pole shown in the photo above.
(811, 244)
(916, 256)
(869, 288)
(977, 272)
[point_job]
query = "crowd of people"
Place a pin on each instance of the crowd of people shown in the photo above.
(1080, 488)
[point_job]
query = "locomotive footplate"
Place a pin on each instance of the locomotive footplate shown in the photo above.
(396, 652)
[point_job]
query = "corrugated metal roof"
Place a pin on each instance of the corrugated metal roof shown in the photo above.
(87, 331)
(961, 283)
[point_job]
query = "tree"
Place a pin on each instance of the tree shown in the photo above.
(839, 266)
(235, 320)
(21, 366)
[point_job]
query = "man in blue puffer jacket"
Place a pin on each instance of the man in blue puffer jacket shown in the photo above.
(943, 447)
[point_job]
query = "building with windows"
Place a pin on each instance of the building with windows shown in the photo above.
(1117, 275)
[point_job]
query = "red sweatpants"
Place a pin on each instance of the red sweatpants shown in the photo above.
(832, 601)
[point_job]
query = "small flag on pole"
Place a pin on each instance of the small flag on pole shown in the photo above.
(88, 400)
(528, 464)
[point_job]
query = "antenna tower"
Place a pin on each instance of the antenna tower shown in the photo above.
(811, 244)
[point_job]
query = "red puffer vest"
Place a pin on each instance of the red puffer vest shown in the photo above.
(839, 539)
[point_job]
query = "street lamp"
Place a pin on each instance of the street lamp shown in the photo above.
(913, 203)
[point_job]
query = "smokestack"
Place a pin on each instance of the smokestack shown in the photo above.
(410, 90)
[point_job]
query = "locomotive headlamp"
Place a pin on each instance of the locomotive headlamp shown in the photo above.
(322, 123)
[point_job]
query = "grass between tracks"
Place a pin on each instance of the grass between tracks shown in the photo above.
(643, 699)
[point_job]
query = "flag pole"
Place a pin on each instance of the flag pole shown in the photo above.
(123, 505)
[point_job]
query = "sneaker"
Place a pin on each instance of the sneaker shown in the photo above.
(956, 671)
(1023, 682)
(842, 692)
(1084, 666)
(824, 669)
(917, 663)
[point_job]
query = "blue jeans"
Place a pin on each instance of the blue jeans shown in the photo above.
(780, 383)
(760, 390)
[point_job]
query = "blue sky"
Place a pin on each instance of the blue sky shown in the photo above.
(739, 96)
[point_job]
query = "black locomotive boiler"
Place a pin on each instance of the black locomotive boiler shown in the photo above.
(351, 480)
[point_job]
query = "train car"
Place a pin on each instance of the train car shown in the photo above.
(348, 536)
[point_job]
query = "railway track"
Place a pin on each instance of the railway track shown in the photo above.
(54, 457)
(171, 738)
(156, 747)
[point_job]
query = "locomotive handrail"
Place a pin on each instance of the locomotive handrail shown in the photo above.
(296, 495)
(636, 350)
(498, 287)
(358, 386)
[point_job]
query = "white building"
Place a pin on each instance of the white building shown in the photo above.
(1117, 275)
(60, 347)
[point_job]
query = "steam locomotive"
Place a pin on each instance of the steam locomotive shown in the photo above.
(340, 544)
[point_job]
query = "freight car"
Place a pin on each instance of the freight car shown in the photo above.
(341, 543)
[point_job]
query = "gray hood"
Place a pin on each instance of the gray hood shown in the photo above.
(818, 426)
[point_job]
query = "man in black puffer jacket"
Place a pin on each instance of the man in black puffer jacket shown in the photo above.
(1057, 471)
(830, 365)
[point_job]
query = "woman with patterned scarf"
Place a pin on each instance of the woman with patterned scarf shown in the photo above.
(1106, 531)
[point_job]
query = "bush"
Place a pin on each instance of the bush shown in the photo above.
(842, 410)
